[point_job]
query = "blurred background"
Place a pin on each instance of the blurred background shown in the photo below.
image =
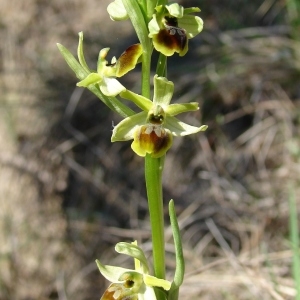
(67, 195)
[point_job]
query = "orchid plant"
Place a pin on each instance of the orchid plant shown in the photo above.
(166, 28)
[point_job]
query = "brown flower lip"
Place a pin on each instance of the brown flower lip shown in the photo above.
(172, 36)
(155, 139)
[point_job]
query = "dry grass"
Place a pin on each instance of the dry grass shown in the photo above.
(65, 190)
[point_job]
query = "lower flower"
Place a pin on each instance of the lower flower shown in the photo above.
(129, 284)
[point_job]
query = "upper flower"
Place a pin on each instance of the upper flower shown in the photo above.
(152, 130)
(172, 26)
(107, 72)
(131, 284)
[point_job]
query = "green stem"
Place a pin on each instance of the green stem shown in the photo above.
(153, 176)
(146, 65)
(161, 68)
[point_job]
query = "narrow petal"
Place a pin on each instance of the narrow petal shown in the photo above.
(192, 24)
(154, 281)
(163, 91)
(178, 108)
(111, 87)
(191, 10)
(102, 62)
(125, 129)
(179, 128)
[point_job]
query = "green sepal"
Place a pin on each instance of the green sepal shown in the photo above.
(134, 251)
(72, 62)
(192, 24)
(111, 273)
(163, 91)
(178, 108)
(179, 128)
(92, 78)
(124, 131)
(80, 53)
(191, 10)
(142, 102)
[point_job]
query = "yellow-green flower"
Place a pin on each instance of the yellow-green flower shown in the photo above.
(152, 130)
(130, 284)
(107, 72)
(172, 26)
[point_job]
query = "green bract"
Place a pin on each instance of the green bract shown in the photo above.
(172, 26)
(131, 284)
(106, 72)
(152, 129)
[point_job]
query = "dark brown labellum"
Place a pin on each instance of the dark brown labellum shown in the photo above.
(173, 37)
